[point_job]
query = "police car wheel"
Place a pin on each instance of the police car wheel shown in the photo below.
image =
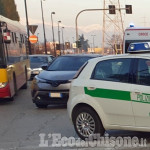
(87, 122)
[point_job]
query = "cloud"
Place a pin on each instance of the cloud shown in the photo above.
(87, 29)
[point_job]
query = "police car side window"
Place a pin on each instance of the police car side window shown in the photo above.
(143, 72)
(113, 70)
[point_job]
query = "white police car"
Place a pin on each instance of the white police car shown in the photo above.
(112, 92)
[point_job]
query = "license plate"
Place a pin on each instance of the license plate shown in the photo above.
(35, 72)
(55, 95)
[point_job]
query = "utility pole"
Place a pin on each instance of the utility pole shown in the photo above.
(128, 11)
(113, 23)
(52, 13)
(63, 38)
(59, 36)
(27, 23)
(43, 27)
(93, 43)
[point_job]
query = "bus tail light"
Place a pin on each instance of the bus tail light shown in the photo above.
(6, 36)
(3, 84)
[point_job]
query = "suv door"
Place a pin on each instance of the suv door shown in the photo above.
(110, 85)
(141, 93)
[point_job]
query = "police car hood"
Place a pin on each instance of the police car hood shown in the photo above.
(57, 75)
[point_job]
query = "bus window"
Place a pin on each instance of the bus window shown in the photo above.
(15, 37)
(22, 38)
(2, 56)
(12, 36)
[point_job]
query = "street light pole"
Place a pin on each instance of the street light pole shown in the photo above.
(43, 27)
(76, 20)
(63, 38)
(27, 22)
(73, 39)
(53, 33)
(93, 43)
(38, 41)
(59, 36)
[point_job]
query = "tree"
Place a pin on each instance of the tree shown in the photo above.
(84, 43)
(8, 9)
(115, 43)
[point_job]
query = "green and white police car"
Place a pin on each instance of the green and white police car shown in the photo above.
(112, 92)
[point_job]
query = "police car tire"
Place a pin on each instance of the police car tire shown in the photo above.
(99, 129)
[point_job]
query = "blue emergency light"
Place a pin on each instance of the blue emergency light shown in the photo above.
(139, 47)
(131, 25)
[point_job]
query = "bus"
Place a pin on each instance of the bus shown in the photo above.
(133, 35)
(14, 61)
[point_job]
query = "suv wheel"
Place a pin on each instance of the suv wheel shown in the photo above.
(87, 122)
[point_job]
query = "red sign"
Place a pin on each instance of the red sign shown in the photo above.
(143, 34)
(33, 39)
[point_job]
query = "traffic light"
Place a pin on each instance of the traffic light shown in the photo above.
(112, 9)
(78, 44)
(57, 46)
(128, 9)
(67, 45)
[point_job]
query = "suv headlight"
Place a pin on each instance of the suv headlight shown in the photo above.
(38, 80)
(3, 84)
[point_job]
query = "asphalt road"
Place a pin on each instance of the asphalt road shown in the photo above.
(22, 125)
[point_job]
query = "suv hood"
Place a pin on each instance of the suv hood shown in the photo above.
(57, 75)
(36, 65)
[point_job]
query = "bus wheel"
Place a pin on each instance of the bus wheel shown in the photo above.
(11, 99)
(25, 86)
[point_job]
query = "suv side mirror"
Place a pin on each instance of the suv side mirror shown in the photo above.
(44, 67)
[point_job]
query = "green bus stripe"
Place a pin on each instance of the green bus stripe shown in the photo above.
(107, 93)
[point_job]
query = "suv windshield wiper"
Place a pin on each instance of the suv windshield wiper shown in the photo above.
(51, 70)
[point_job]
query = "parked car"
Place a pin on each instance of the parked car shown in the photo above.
(52, 85)
(112, 92)
(36, 62)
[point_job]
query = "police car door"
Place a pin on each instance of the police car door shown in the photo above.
(111, 80)
(141, 92)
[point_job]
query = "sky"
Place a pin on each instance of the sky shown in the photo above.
(88, 22)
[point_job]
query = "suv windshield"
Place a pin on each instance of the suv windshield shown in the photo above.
(68, 63)
(38, 59)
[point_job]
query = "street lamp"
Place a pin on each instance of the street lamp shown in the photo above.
(63, 38)
(59, 36)
(43, 27)
(38, 41)
(25, 3)
(52, 13)
(93, 43)
(73, 39)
